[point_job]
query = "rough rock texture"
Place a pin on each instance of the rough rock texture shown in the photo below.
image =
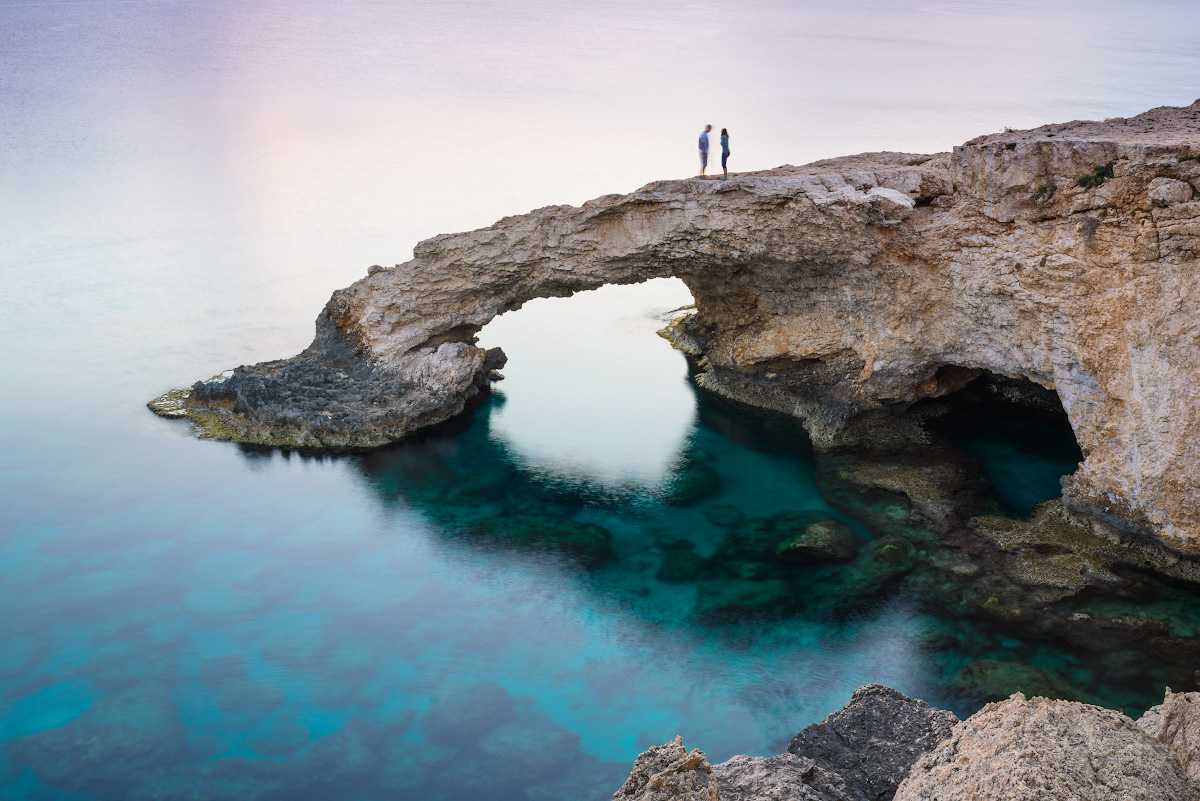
(873, 741)
(1016, 750)
(670, 772)
(1065, 255)
(786, 777)
(1046, 750)
(828, 539)
(1176, 724)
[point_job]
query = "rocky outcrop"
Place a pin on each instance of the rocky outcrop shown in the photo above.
(860, 753)
(1047, 750)
(873, 741)
(670, 772)
(884, 746)
(1176, 724)
(1065, 255)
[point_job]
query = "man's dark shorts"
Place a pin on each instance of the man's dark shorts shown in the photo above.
(703, 158)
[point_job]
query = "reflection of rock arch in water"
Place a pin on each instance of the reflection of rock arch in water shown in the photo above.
(930, 536)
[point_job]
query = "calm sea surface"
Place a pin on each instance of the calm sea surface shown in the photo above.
(182, 184)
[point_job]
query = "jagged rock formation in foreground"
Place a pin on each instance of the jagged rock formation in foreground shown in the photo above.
(1066, 255)
(884, 746)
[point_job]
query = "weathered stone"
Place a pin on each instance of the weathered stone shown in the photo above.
(873, 741)
(1087, 289)
(1163, 191)
(670, 772)
(786, 777)
(828, 540)
(1048, 751)
(1176, 724)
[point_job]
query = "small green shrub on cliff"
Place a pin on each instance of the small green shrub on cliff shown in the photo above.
(1188, 157)
(1010, 145)
(1045, 191)
(1099, 174)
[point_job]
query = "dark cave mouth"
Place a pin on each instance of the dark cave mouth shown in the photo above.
(1019, 433)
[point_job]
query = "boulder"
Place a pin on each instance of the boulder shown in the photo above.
(873, 741)
(1176, 724)
(670, 772)
(1164, 191)
(827, 541)
(786, 777)
(1045, 750)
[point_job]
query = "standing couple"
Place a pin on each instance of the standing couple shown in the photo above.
(704, 152)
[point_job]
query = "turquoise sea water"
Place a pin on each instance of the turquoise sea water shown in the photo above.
(182, 184)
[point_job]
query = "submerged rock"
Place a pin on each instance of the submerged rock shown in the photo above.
(727, 600)
(873, 741)
(1049, 548)
(681, 563)
(828, 540)
(670, 772)
(109, 749)
(584, 540)
(757, 540)
(880, 563)
(464, 718)
(1050, 751)
(991, 680)
(692, 484)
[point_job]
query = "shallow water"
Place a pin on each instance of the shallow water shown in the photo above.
(184, 183)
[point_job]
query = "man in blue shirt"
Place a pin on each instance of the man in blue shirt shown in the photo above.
(704, 149)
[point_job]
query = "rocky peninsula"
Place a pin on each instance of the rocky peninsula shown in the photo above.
(884, 746)
(842, 293)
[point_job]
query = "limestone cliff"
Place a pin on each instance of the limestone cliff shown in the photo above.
(1066, 255)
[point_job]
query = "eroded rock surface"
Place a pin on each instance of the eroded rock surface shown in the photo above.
(1051, 751)
(670, 772)
(884, 746)
(1065, 255)
(873, 741)
(786, 777)
(1176, 724)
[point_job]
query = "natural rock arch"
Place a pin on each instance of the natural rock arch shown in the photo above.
(829, 292)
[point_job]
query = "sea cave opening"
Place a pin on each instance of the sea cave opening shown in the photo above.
(1018, 431)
